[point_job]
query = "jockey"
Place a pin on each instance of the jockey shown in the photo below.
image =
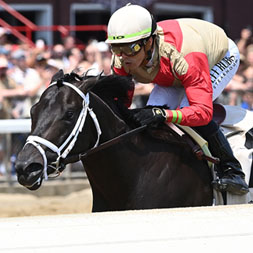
(190, 62)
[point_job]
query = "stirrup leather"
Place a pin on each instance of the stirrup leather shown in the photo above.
(198, 145)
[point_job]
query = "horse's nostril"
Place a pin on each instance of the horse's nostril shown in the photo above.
(22, 180)
(20, 166)
(34, 168)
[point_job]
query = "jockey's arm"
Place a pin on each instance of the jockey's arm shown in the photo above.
(198, 88)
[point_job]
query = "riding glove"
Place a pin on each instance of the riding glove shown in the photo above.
(150, 116)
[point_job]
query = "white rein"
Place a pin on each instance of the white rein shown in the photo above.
(72, 138)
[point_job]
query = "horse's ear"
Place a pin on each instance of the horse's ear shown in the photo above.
(57, 76)
(87, 84)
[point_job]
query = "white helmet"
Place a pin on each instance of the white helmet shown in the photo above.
(130, 23)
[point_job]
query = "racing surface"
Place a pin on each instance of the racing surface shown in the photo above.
(19, 205)
(205, 229)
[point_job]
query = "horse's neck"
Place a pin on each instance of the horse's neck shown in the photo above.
(111, 125)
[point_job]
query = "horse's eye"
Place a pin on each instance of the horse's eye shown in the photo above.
(69, 115)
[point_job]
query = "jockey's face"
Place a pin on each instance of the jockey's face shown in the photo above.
(133, 62)
(137, 59)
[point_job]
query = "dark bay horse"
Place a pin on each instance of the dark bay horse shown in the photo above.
(148, 169)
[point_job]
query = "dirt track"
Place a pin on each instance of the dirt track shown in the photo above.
(14, 205)
(201, 229)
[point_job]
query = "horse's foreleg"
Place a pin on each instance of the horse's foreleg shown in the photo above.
(99, 204)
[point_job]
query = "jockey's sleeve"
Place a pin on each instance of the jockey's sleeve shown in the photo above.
(199, 91)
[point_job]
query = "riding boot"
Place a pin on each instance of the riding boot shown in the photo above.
(232, 177)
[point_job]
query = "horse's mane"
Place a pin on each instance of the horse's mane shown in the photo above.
(112, 87)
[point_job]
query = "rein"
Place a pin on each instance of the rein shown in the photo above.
(107, 144)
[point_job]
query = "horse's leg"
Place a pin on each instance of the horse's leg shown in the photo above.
(99, 204)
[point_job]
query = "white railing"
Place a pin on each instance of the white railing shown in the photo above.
(15, 126)
(7, 128)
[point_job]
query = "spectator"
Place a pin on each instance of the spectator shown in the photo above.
(40, 50)
(6, 83)
(248, 72)
(242, 82)
(69, 42)
(233, 91)
(106, 65)
(3, 38)
(83, 67)
(245, 39)
(52, 67)
(74, 57)
(46, 69)
(57, 52)
(28, 80)
(247, 100)
(94, 57)
(104, 49)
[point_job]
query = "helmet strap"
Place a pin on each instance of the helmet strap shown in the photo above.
(148, 51)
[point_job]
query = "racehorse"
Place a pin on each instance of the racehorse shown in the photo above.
(148, 169)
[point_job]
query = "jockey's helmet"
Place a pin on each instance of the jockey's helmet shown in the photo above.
(129, 24)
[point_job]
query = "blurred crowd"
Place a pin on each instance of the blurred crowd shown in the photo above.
(240, 90)
(25, 71)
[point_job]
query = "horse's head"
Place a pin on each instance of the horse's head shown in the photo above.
(62, 112)
(57, 120)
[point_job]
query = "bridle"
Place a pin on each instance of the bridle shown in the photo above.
(69, 143)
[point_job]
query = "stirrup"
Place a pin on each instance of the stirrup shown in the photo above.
(219, 186)
(236, 189)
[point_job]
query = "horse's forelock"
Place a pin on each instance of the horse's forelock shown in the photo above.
(72, 78)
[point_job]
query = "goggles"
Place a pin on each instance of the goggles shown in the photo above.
(129, 49)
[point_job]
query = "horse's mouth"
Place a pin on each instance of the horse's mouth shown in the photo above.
(32, 177)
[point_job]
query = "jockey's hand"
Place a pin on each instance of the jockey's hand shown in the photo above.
(150, 116)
